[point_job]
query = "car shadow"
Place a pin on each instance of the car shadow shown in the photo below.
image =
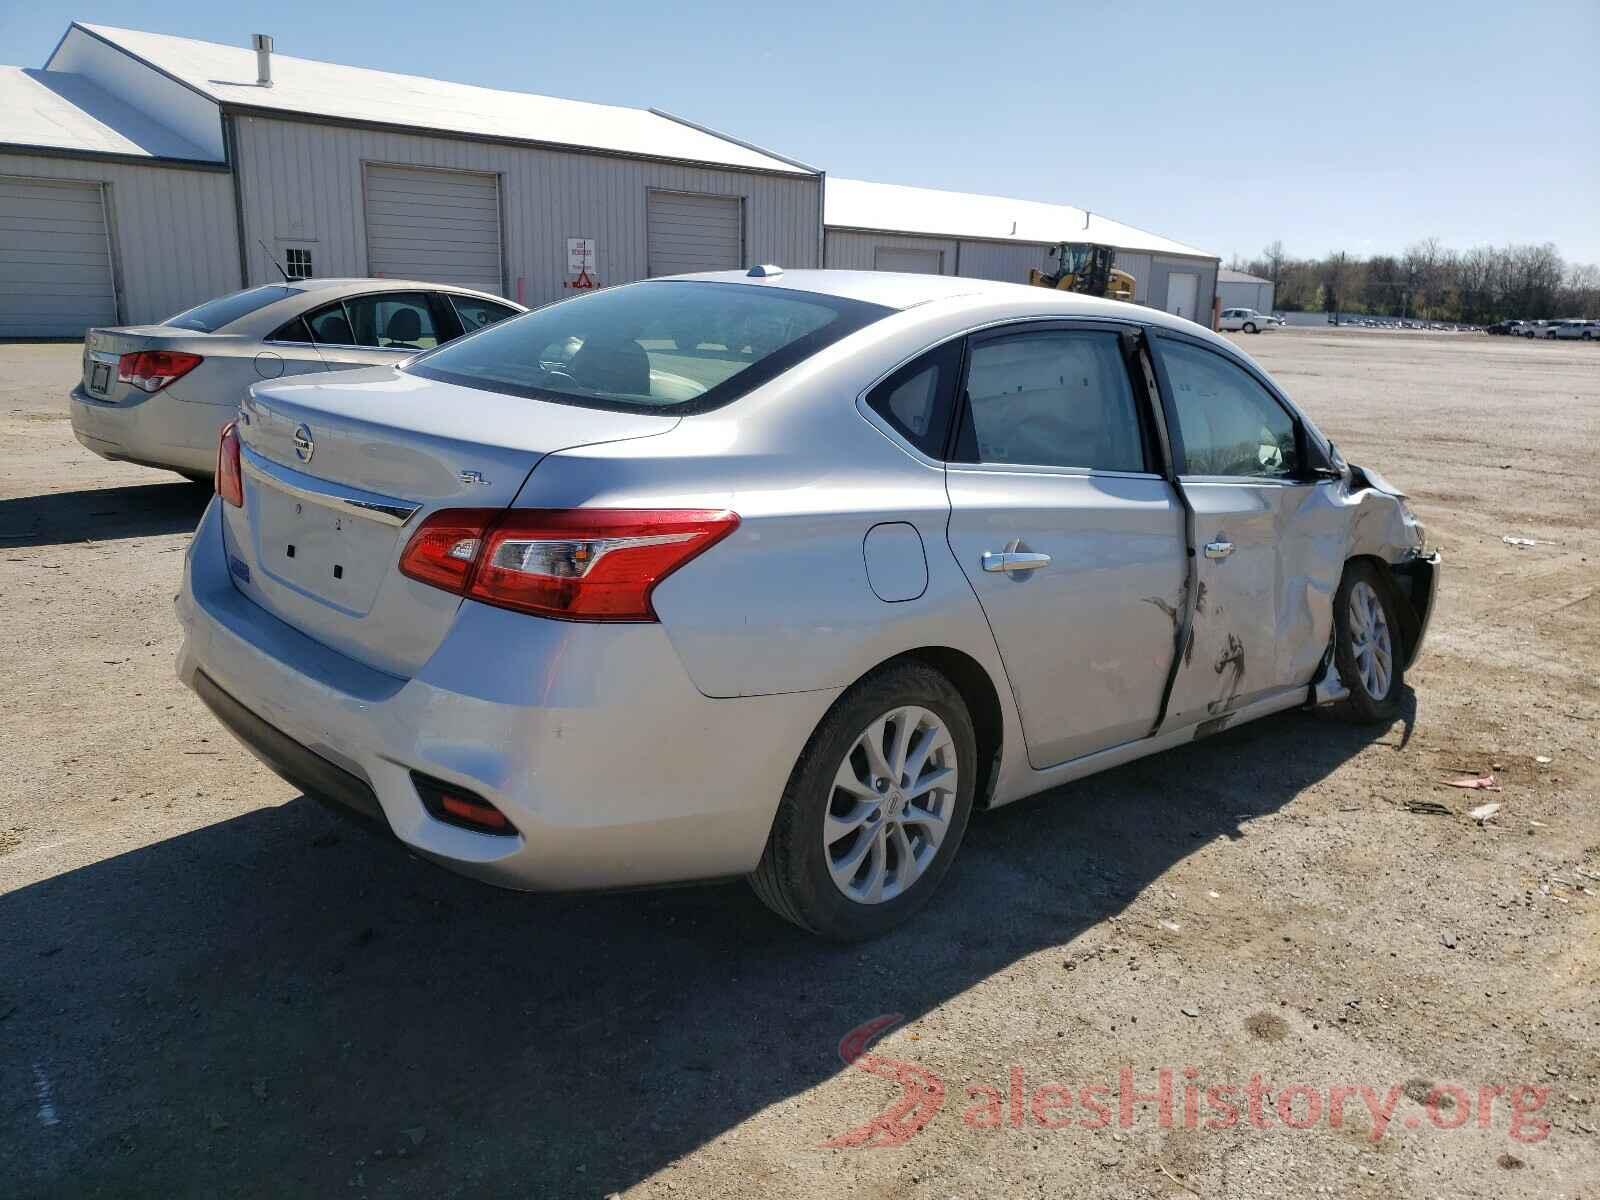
(263, 1005)
(102, 514)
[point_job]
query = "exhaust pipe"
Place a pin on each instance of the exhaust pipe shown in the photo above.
(263, 47)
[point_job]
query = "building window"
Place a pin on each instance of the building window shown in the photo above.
(297, 262)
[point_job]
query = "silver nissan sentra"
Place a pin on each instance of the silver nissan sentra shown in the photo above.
(779, 575)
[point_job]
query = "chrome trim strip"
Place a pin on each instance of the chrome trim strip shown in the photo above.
(386, 510)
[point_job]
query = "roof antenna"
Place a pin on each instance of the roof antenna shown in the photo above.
(274, 261)
(1086, 218)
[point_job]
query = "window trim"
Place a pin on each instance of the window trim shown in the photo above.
(1148, 443)
(1304, 476)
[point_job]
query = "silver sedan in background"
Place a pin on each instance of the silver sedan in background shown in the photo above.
(159, 395)
(780, 575)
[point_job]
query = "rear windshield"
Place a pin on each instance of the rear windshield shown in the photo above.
(673, 345)
(224, 310)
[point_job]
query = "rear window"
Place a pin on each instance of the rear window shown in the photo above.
(224, 310)
(674, 346)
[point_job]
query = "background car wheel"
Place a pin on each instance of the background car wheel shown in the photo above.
(875, 808)
(1250, 327)
(1366, 648)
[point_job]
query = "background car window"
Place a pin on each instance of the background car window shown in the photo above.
(393, 321)
(1229, 423)
(475, 313)
(330, 326)
(1052, 399)
(225, 310)
(294, 331)
(918, 398)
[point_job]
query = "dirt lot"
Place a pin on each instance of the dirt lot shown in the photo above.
(209, 986)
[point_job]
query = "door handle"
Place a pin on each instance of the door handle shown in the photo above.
(1218, 549)
(1014, 560)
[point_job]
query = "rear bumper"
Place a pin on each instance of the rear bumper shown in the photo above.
(591, 739)
(154, 431)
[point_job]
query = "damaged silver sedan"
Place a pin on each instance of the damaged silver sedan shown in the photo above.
(780, 575)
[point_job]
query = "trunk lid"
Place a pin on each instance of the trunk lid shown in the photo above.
(103, 348)
(340, 471)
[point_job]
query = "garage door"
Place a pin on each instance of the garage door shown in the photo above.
(918, 262)
(55, 264)
(694, 233)
(441, 226)
(1183, 291)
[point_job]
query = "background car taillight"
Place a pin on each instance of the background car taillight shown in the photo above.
(228, 482)
(579, 564)
(152, 370)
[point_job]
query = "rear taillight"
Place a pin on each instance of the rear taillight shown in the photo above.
(228, 482)
(152, 370)
(577, 564)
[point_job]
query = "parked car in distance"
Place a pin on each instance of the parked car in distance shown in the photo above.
(780, 575)
(1576, 329)
(159, 395)
(1247, 320)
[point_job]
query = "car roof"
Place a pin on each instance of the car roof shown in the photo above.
(892, 289)
(349, 285)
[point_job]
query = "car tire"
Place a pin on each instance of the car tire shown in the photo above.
(799, 876)
(1250, 327)
(1367, 650)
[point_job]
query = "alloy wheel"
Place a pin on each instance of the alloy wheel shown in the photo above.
(891, 804)
(1371, 643)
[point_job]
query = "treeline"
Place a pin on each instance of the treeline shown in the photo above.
(1433, 282)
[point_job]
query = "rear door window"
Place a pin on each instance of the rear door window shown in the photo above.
(1051, 399)
(917, 400)
(330, 326)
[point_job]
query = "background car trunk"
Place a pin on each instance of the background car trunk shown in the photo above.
(311, 545)
(103, 348)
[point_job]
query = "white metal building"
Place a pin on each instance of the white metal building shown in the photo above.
(888, 227)
(1236, 289)
(141, 173)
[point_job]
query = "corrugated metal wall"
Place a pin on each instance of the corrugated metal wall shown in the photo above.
(173, 238)
(302, 183)
(1137, 265)
(847, 251)
(1010, 261)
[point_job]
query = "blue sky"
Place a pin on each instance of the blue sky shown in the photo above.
(1349, 126)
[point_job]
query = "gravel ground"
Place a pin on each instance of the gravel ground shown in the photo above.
(208, 986)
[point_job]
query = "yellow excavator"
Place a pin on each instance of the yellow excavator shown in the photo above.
(1085, 267)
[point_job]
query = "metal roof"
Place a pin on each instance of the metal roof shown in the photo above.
(894, 208)
(58, 110)
(303, 86)
(1228, 275)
